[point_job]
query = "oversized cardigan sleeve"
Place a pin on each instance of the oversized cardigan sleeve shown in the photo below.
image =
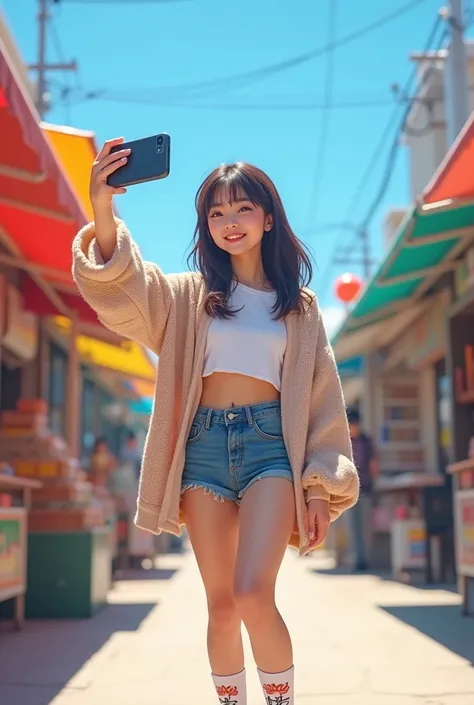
(130, 296)
(329, 472)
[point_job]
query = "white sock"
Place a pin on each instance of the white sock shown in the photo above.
(231, 690)
(278, 688)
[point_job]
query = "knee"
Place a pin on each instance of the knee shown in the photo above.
(254, 600)
(223, 611)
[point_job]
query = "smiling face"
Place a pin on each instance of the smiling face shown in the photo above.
(235, 223)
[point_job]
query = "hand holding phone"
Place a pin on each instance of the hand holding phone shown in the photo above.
(106, 162)
(148, 160)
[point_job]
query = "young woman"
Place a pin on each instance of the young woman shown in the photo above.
(248, 442)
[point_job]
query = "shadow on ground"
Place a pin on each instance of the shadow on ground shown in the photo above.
(42, 658)
(442, 623)
(342, 571)
(154, 574)
(37, 662)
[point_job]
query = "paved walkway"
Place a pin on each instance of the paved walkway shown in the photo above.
(359, 640)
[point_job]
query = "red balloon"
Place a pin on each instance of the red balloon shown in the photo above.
(348, 287)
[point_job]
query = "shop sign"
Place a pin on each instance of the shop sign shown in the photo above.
(465, 532)
(428, 334)
(464, 275)
(12, 552)
(416, 537)
(408, 543)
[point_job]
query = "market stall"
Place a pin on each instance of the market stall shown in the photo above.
(69, 556)
(400, 526)
(44, 197)
(425, 428)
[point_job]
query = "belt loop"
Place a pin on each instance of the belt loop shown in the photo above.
(248, 413)
(208, 419)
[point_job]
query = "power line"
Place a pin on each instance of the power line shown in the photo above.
(290, 103)
(326, 118)
(118, 2)
(402, 126)
(255, 75)
(404, 97)
(392, 155)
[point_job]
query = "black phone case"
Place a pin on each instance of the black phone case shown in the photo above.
(148, 161)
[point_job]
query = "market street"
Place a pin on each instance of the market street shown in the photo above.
(359, 640)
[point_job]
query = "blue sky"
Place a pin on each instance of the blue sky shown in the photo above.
(136, 48)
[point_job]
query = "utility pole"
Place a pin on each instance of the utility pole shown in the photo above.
(456, 74)
(42, 67)
(365, 260)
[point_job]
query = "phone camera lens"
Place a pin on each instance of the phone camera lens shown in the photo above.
(160, 140)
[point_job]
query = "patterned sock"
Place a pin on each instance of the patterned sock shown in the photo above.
(278, 688)
(231, 690)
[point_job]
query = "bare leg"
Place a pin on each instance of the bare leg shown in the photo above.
(266, 521)
(213, 529)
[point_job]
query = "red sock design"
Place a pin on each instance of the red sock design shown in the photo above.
(231, 690)
(278, 688)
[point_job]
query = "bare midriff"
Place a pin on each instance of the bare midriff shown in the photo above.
(223, 390)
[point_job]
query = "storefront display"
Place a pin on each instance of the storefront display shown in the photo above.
(13, 539)
(400, 526)
(408, 546)
(463, 475)
(465, 538)
(461, 335)
(34, 451)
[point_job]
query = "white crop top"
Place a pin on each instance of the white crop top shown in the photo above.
(249, 343)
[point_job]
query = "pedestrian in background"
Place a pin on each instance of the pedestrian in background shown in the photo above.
(102, 464)
(131, 453)
(360, 516)
(126, 476)
(249, 443)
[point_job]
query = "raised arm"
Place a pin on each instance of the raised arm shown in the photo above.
(130, 296)
(329, 472)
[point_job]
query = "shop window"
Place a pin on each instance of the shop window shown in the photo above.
(89, 432)
(57, 389)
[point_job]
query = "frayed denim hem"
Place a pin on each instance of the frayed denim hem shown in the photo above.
(207, 490)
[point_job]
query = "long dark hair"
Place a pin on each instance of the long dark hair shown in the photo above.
(286, 262)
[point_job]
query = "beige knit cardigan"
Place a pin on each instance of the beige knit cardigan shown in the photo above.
(166, 314)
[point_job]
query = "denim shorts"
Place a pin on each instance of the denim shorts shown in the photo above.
(228, 450)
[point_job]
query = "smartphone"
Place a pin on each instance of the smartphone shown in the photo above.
(148, 160)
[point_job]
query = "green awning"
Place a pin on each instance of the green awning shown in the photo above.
(428, 241)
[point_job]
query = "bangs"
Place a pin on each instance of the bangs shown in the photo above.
(234, 185)
(286, 262)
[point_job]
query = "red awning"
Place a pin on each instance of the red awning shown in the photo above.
(40, 211)
(454, 180)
